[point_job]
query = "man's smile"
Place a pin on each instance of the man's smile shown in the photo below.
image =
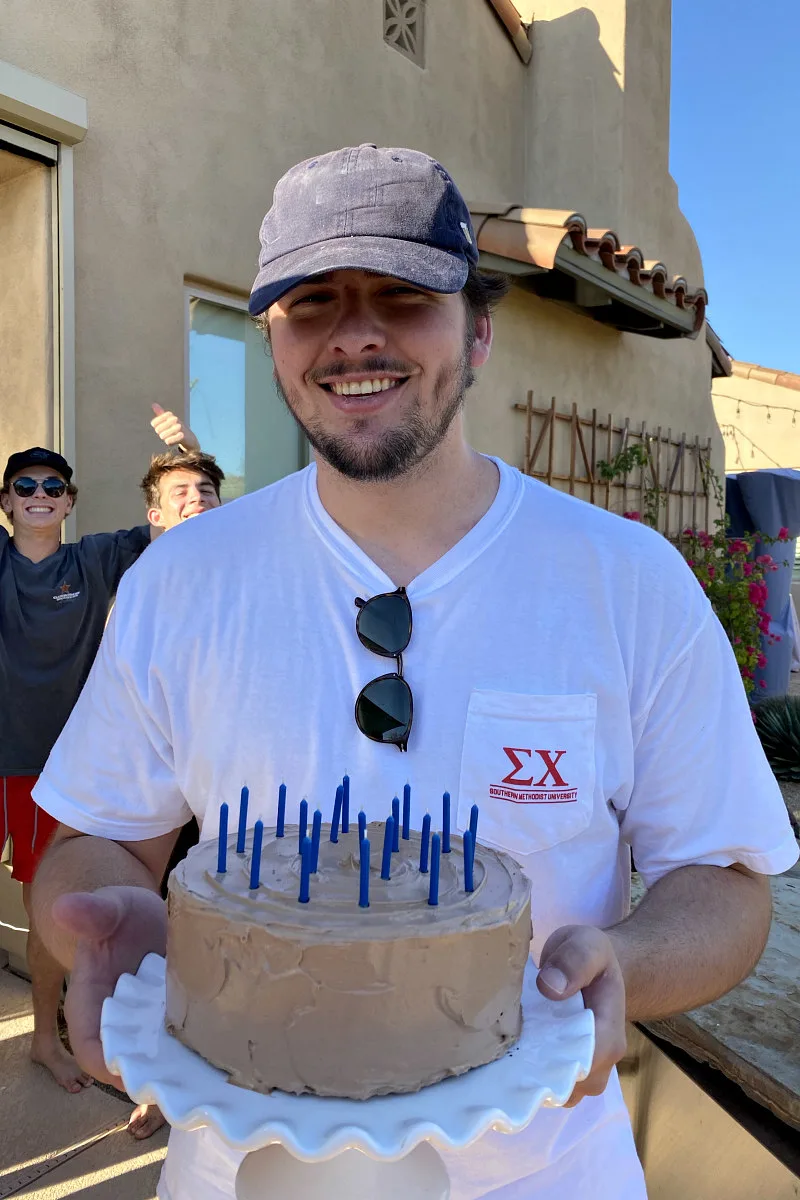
(357, 386)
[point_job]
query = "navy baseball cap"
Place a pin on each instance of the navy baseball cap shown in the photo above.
(392, 211)
(37, 456)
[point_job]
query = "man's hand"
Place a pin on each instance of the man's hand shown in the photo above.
(581, 958)
(172, 430)
(114, 928)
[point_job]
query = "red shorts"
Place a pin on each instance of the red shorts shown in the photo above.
(29, 827)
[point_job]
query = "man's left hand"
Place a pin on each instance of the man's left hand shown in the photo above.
(172, 430)
(581, 958)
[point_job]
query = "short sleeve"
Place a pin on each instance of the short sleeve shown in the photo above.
(703, 790)
(111, 772)
(115, 552)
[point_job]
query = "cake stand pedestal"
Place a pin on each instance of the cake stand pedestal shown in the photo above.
(310, 1147)
(274, 1173)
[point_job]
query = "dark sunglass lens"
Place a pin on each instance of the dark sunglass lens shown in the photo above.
(383, 710)
(24, 487)
(384, 624)
(54, 487)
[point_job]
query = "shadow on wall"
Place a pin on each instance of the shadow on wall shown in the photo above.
(599, 123)
(575, 158)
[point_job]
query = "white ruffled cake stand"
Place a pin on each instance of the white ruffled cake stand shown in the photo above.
(310, 1147)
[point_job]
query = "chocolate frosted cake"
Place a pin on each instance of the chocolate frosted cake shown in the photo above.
(332, 997)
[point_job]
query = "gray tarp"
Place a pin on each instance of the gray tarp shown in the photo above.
(766, 501)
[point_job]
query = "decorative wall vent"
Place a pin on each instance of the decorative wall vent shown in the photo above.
(404, 27)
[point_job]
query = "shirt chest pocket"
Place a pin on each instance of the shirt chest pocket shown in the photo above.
(529, 764)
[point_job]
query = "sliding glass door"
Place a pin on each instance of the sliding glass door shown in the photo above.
(28, 269)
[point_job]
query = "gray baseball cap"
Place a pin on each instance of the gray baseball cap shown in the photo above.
(392, 211)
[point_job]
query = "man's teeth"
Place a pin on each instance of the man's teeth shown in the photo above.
(39, 509)
(364, 387)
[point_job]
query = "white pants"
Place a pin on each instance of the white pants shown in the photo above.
(588, 1152)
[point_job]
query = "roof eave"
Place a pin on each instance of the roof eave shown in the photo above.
(552, 253)
(515, 28)
(721, 364)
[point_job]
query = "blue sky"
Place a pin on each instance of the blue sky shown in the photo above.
(735, 155)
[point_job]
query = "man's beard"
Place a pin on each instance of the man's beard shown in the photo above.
(396, 451)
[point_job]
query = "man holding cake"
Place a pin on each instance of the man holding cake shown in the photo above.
(234, 657)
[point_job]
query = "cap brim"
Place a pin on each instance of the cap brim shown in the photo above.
(426, 266)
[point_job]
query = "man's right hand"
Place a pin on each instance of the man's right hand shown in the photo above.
(114, 928)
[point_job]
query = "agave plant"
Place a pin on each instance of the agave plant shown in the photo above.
(778, 727)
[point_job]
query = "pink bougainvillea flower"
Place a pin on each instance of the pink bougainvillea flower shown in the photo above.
(764, 559)
(712, 572)
(688, 532)
(747, 569)
(783, 534)
(632, 516)
(762, 683)
(762, 660)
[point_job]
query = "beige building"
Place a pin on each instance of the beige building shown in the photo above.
(758, 412)
(139, 145)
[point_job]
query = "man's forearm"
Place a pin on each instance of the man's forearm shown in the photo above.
(697, 933)
(81, 864)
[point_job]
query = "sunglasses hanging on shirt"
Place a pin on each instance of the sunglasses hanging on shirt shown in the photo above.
(385, 706)
(25, 486)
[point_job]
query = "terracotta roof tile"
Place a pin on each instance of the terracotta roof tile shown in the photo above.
(535, 235)
(784, 379)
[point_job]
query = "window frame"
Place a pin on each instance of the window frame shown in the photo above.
(44, 121)
(224, 299)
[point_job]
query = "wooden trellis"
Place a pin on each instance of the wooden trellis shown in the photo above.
(564, 449)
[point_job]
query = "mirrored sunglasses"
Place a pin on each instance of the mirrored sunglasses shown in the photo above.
(53, 487)
(385, 706)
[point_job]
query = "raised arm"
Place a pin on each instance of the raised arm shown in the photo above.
(172, 430)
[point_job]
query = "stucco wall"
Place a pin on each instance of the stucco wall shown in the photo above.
(760, 423)
(555, 352)
(599, 105)
(195, 110)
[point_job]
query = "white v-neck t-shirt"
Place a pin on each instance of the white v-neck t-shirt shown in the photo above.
(568, 676)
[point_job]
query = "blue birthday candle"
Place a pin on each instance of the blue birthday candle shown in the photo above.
(436, 849)
(362, 825)
(255, 861)
(337, 813)
(425, 847)
(396, 819)
(281, 822)
(316, 832)
(346, 804)
(240, 840)
(388, 838)
(303, 829)
(473, 828)
(363, 893)
(446, 823)
(469, 855)
(305, 870)
(222, 850)
(407, 812)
